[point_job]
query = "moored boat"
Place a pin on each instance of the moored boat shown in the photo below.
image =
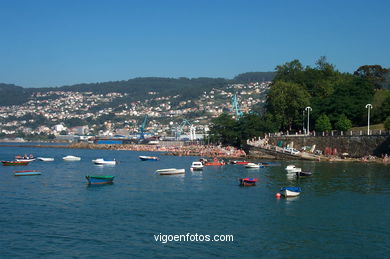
(216, 162)
(304, 173)
(290, 191)
(197, 166)
(25, 159)
(147, 158)
(293, 169)
(71, 158)
(239, 162)
(170, 171)
(99, 179)
(101, 161)
(253, 165)
(270, 164)
(14, 163)
(45, 159)
(27, 173)
(248, 181)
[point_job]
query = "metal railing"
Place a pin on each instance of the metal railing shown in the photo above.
(330, 133)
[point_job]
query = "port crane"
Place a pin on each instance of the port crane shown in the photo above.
(181, 126)
(142, 127)
(236, 107)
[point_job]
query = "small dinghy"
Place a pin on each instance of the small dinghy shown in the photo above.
(248, 181)
(215, 162)
(45, 159)
(26, 173)
(25, 159)
(170, 171)
(253, 165)
(71, 158)
(101, 161)
(149, 158)
(293, 169)
(100, 179)
(290, 191)
(197, 166)
(307, 173)
(239, 162)
(14, 163)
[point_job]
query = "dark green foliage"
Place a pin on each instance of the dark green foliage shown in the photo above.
(330, 92)
(376, 74)
(73, 122)
(384, 109)
(323, 123)
(253, 77)
(138, 88)
(343, 123)
(227, 131)
(285, 102)
(387, 123)
(13, 95)
(224, 130)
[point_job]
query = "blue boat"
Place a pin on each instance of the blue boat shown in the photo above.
(290, 191)
(102, 179)
(27, 173)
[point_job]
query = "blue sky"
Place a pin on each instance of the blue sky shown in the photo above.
(59, 42)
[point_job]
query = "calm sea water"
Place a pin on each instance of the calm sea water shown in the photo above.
(343, 210)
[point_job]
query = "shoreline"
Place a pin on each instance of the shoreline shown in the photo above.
(201, 151)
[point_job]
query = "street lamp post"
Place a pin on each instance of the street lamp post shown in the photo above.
(303, 121)
(368, 107)
(308, 109)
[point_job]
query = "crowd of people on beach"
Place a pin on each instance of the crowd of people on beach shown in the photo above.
(178, 150)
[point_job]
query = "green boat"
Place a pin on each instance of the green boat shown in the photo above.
(100, 179)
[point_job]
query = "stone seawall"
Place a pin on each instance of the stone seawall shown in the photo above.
(355, 146)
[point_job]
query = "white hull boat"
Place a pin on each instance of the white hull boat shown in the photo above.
(170, 171)
(45, 159)
(25, 159)
(290, 191)
(101, 161)
(293, 169)
(252, 165)
(197, 166)
(71, 158)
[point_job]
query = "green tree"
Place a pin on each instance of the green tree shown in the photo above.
(323, 123)
(387, 123)
(343, 123)
(224, 130)
(289, 72)
(285, 102)
(374, 73)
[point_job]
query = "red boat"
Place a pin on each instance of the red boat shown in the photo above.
(215, 163)
(240, 162)
(248, 181)
(8, 163)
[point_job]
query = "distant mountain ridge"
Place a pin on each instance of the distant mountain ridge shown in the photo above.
(137, 88)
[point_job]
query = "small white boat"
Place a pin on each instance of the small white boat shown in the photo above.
(101, 161)
(147, 158)
(290, 191)
(293, 169)
(25, 159)
(71, 158)
(253, 165)
(170, 171)
(197, 166)
(45, 159)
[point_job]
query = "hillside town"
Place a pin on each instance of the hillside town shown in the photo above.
(60, 114)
